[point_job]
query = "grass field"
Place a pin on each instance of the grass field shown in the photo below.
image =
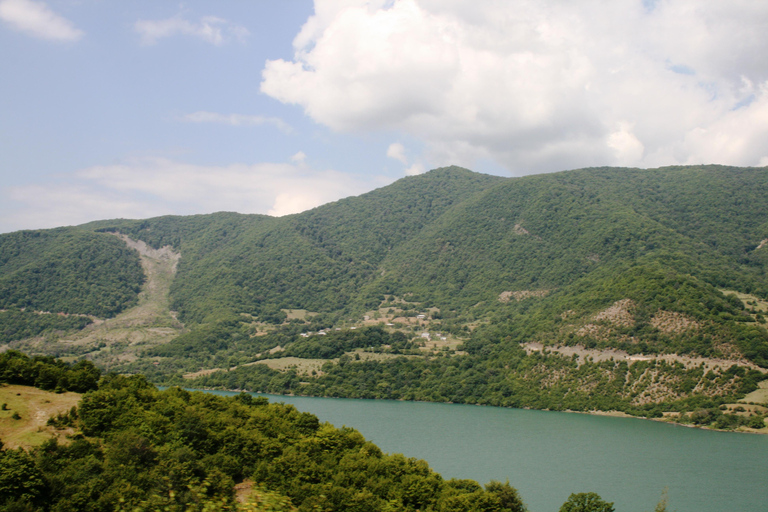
(34, 406)
(303, 366)
(758, 396)
(301, 314)
(750, 302)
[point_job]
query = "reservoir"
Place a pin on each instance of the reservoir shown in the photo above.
(549, 455)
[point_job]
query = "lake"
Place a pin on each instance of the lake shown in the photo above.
(548, 455)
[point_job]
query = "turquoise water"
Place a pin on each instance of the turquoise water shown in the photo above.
(548, 455)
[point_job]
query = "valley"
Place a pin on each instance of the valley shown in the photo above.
(589, 290)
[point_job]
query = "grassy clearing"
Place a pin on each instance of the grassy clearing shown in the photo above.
(34, 406)
(436, 343)
(758, 396)
(372, 356)
(303, 366)
(301, 314)
(201, 373)
(750, 301)
(744, 409)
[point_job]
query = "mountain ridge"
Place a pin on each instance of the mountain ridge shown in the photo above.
(487, 263)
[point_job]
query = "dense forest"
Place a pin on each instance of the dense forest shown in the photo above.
(18, 324)
(456, 241)
(452, 238)
(68, 271)
(654, 262)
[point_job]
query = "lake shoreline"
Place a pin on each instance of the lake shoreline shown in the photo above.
(620, 414)
(612, 414)
(548, 456)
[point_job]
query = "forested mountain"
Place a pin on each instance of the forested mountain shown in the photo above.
(454, 238)
(659, 261)
(318, 260)
(68, 271)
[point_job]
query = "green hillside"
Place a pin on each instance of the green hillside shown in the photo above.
(68, 270)
(454, 238)
(317, 260)
(544, 232)
(649, 262)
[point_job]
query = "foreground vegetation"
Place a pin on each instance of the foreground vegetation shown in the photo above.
(136, 448)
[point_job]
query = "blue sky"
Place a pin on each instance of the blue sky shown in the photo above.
(143, 108)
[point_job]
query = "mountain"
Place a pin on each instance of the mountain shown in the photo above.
(648, 262)
(318, 260)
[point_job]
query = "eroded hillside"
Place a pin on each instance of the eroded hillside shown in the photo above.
(113, 341)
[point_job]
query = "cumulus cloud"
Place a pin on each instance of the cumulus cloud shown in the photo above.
(539, 86)
(397, 152)
(628, 149)
(210, 29)
(415, 169)
(157, 186)
(299, 158)
(236, 120)
(36, 19)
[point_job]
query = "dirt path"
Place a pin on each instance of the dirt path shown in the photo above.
(619, 355)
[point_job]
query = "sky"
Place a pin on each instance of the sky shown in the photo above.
(113, 109)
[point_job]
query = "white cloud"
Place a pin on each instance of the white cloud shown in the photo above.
(414, 170)
(539, 86)
(299, 158)
(48, 206)
(158, 186)
(236, 120)
(627, 147)
(737, 138)
(36, 19)
(210, 29)
(397, 151)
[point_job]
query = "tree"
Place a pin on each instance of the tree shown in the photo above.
(19, 477)
(586, 502)
(757, 422)
(508, 495)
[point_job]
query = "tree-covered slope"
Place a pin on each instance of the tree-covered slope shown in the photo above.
(580, 241)
(68, 270)
(461, 242)
(543, 232)
(317, 260)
